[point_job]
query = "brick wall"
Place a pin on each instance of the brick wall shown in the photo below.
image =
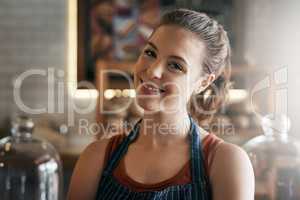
(32, 36)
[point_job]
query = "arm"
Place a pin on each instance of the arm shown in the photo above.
(232, 174)
(87, 172)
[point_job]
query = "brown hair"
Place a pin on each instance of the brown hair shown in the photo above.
(203, 105)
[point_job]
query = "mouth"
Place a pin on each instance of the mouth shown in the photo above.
(151, 88)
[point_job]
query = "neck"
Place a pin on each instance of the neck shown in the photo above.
(162, 129)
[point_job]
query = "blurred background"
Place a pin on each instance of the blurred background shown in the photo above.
(51, 51)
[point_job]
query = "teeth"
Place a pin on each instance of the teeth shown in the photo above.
(152, 88)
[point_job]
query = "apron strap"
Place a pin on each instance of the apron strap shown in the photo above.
(201, 185)
(121, 149)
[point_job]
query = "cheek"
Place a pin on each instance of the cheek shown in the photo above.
(182, 88)
(141, 63)
(173, 88)
(138, 68)
(178, 87)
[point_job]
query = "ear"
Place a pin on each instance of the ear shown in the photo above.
(204, 82)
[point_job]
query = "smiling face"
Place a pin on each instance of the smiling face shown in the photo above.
(169, 69)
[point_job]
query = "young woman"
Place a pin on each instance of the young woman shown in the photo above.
(167, 155)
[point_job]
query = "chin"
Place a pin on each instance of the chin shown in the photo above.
(155, 106)
(148, 105)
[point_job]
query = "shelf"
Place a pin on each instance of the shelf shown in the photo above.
(125, 66)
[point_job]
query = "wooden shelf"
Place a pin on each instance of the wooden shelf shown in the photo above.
(125, 66)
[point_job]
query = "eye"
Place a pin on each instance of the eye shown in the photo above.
(175, 66)
(150, 53)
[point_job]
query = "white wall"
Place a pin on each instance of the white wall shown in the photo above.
(268, 38)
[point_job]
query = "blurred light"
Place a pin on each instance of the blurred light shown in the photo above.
(7, 146)
(86, 94)
(109, 93)
(237, 95)
(132, 93)
(71, 47)
(125, 93)
(118, 93)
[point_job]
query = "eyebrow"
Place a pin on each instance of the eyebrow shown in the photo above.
(172, 56)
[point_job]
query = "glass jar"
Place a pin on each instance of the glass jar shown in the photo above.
(275, 157)
(30, 168)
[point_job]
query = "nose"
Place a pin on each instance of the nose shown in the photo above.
(155, 71)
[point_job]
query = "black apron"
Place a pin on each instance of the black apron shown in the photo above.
(199, 189)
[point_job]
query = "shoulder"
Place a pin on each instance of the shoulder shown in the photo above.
(232, 174)
(230, 152)
(88, 170)
(95, 152)
(233, 153)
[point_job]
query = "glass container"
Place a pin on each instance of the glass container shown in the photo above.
(275, 157)
(30, 168)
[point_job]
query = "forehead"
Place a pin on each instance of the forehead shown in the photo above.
(174, 40)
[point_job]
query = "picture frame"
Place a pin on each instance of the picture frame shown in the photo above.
(112, 31)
